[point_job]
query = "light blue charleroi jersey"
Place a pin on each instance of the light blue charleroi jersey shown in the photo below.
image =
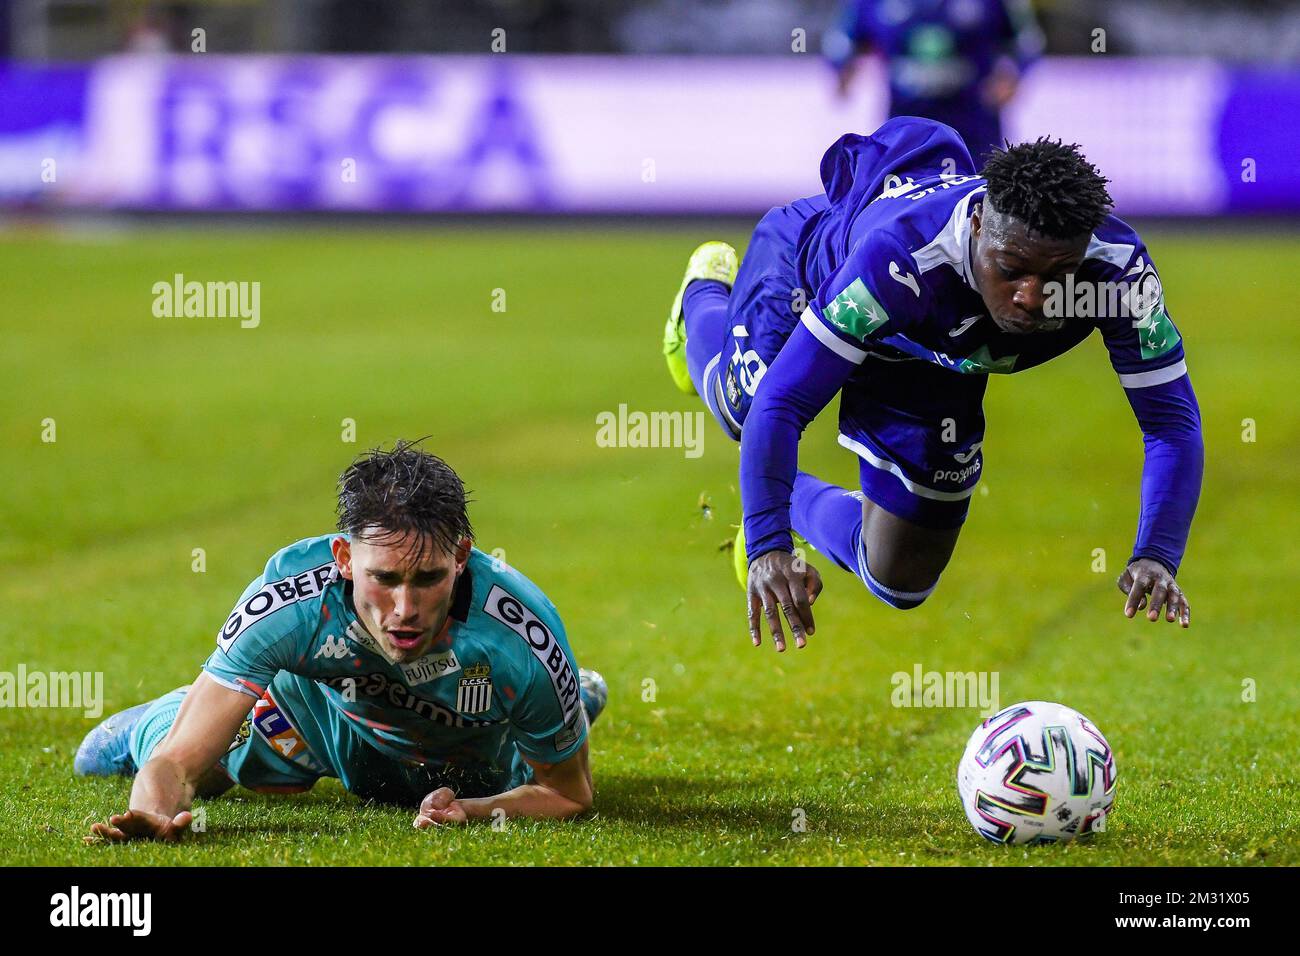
(503, 676)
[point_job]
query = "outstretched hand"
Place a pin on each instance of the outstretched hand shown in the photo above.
(439, 808)
(1149, 586)
(140, 825)
(782, 583)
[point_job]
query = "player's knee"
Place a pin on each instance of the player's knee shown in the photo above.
(896, 598)
(898, 590)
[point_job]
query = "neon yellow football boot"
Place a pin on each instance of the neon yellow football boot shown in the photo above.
(713, 260)
(741, 560)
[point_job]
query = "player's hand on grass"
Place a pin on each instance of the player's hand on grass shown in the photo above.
(439, 808)
(1149, 586)
(782, 583)
(140, 825)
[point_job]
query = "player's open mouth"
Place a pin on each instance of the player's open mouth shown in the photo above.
(405, 639)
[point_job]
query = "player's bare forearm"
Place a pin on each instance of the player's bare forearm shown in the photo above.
(166, 785)
(558, 791)
(528, 800)
(162, 787)
(159, 808)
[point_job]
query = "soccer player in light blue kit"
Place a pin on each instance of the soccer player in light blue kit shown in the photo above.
(902, 288)
(392, 655)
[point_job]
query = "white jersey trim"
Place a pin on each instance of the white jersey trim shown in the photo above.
(232, 685)
(1157, 376)
(863, 452)
(827, 338)
(951, 245)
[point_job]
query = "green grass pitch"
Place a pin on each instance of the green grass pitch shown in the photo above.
(177, 434)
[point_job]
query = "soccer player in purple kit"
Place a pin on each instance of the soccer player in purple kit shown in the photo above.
(956, 61)
(901, 288)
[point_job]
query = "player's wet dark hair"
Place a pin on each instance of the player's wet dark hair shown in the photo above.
(1049, 186)
(387, 494)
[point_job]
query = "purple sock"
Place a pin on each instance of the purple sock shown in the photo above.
(830, 517)
(705, 306)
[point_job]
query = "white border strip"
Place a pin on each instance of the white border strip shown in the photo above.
(1157, 376)
(829, 339)
(865, 454)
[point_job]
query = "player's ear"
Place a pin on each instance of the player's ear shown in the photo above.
(462, 553)
(342, 549)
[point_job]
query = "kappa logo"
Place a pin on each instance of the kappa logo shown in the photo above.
(272, 597)
(512, 612)
(334, 647)
(474, 695)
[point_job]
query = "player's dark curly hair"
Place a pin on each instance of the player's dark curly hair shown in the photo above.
(1049, 186)
(386, 494)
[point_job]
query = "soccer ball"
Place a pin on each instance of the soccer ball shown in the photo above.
(1036, 772)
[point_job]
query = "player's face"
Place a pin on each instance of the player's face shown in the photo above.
(1012, 267)
(401, 592)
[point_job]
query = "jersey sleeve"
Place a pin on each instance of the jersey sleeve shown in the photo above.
(261, 637)
(1146, 351)
(875, 293)
(548, 722)
(1145, 346)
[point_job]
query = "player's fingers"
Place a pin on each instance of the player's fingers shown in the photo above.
(182, 819)
(799, 594)
(1136, 594)
(1125, 582)
(422, 821)
(771, 611)
(813, 586)
(1158, 594)
(801, 623)
(437, 799)
(755, 630)
(1183, 611)
(109, 833)
(785, 596)
(1172, 603)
